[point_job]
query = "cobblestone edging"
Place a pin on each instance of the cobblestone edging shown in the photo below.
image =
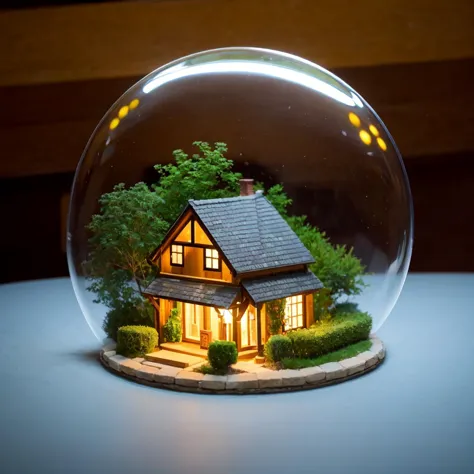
(257, 380)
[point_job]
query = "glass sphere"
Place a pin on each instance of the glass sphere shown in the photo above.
(285, 121)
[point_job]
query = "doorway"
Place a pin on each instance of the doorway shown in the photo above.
(193, 321)
(248, 329)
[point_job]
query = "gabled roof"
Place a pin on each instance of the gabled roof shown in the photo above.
(281, 285)
(188, 291)
(251, 233)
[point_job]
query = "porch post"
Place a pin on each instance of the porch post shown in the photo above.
(259, 331)
(158, 326)
(235, 329)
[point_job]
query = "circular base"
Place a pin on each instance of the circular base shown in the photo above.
(261, 380)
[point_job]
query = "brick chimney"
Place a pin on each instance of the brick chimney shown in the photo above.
(246, 187)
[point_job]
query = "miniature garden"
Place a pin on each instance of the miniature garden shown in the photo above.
(132, 220)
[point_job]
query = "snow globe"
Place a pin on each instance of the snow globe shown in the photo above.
(240, 220)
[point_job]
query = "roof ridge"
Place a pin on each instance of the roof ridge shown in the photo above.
(256, 195)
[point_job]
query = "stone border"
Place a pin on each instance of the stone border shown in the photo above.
(262, 381)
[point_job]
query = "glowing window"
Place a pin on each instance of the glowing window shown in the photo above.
(177, 255)
(199, 235)
(211, 260)
(294, 312)
(185, 234)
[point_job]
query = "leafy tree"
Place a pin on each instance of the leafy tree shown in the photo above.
(204, 175)
(336, 266)
(122, 235)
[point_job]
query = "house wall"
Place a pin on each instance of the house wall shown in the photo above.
(193, 265)
(187, 230)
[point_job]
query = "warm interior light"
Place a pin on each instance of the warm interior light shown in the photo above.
(227, 315)
(134, 104)
(365, 137)
(354, 119)
(382, 144)
(123, 111)
(373, 130)
(114, 123)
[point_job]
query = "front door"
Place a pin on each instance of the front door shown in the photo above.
(248, 329)
(193, 321)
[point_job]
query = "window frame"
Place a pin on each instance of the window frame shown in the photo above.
(174, 252)
(296, 316)
(219, 260)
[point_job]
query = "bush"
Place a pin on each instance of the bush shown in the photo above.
(135, 341)
(222, 354)
(276, 315)
(278, 347)
(343, 330)
(322, 303)
(172, 331)
(127, 314)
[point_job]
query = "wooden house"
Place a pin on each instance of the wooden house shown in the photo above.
(221, 261)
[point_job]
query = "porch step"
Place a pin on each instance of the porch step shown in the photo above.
(175, 359)
(184, 348)
(247, 355)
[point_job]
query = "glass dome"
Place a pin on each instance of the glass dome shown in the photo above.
(285, 121)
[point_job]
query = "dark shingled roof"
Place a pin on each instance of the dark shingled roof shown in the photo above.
(281, 286)
(251, 233)
(221, 296)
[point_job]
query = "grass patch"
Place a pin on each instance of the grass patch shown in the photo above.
(209, 370)
(336, 356)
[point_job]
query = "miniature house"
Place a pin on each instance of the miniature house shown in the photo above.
(221, 261)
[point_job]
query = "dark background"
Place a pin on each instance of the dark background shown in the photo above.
(63, 66)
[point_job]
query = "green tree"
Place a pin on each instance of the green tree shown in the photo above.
(204, 175)
(123, 233)
(335, 265)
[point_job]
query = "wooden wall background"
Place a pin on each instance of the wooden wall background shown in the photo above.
(62, 66)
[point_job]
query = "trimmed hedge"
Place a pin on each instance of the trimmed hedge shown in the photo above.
(135, 341)
(278, 347)
(345, 329)
(222, 354)
(172, 331)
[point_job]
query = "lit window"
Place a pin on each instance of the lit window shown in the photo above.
(211, 259)
(177, 257)
(294, 312)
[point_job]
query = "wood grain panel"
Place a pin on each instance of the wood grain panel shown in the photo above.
(112, 40)
(427, 107)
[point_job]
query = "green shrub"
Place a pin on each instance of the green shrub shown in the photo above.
(172, 331)
(322, 338)
(278, 347)
(276, 315)
(322, 303)
(127, 314)
(135, 341)
(222, 354)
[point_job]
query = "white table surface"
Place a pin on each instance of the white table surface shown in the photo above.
(61, 412)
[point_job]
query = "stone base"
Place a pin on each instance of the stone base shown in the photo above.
(263, 380)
